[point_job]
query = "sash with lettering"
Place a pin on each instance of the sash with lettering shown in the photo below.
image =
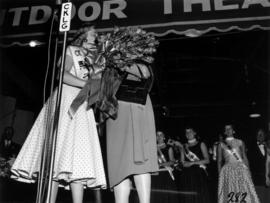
(100, 88)
(90, 91)
(232, 151)
(191, 156)
(162, 159)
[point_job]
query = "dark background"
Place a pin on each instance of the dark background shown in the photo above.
(204, 82)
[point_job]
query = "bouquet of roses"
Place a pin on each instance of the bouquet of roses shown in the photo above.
(124, 47)
(115, 51)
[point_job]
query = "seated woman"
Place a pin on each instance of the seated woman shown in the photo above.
(167, 178)
(163, 150)
(175, 148)
(8, 151)
(8, 148)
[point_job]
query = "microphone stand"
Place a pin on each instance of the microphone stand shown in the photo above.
(49, 143)
(56, 119)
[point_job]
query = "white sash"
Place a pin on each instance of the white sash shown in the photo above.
(79, 62)
(193, 157)
(233, 152)
(162, 159)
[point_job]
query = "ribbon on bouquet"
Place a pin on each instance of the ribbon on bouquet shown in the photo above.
(97, 90)
(100, 92)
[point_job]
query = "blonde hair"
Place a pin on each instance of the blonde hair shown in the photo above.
(81, 35)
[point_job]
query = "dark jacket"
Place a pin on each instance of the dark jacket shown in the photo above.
(257, 163)
(9, 151)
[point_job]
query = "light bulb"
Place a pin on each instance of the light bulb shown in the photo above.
(32, 43)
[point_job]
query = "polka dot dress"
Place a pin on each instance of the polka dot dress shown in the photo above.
(78, 155)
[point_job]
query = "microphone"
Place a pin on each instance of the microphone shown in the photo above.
(58, 2)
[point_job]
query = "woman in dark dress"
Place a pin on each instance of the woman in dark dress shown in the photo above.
(163, 148)
(193, 180)
(166, 180)
(132, 146)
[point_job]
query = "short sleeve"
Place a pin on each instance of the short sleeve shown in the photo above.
(222, 145)
(240, 142)
(68, 51)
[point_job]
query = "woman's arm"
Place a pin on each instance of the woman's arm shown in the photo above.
(68, 78)
(244, 154)
(182, 157)
(185, 163)
(219, 157)
(171, 154)
(134, 69)
(205, 154)
(267, 168)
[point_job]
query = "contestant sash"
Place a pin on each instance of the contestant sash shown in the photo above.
(79, 62)
(162, 159)
(233, 152)
(193, 157)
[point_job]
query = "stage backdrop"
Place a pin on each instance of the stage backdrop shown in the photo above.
(22, 20)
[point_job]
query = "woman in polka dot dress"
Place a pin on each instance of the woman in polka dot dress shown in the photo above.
(78, 159)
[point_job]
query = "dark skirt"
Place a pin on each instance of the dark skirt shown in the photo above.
(193, 185)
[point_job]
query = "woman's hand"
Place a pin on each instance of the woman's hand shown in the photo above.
(139, 70)
(72, 80)
(96, 73)
(188, 164)
(267, 182)
(144, 70)
(11, 161)
(178, 144)
(168, 163)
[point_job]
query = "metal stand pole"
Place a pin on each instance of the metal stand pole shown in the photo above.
(49, 146)
(43, 180)
(56, 118)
